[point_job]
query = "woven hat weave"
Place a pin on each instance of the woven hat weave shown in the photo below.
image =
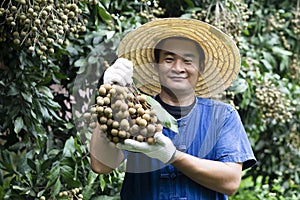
(222, 58)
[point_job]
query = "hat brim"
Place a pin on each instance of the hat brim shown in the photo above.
(222, 57)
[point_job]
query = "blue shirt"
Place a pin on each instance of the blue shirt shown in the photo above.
(212, 130)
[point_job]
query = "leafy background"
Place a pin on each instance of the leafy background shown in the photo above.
(48, 77)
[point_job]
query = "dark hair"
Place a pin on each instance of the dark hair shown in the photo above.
(158, 48)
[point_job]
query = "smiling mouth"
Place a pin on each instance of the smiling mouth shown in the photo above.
(177, 78)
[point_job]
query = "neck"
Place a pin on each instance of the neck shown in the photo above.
(177, 99)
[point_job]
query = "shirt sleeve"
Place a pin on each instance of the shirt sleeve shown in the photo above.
(233, 144)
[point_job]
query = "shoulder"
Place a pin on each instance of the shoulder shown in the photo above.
(214, 104)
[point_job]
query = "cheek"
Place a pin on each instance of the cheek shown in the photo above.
(194, 74)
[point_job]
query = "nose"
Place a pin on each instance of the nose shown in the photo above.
(178, 65)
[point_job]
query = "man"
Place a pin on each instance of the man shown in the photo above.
(181, 63)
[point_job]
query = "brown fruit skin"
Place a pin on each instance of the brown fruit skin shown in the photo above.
(114, 132)
(146, 117)
(151, 128)
(159, 128)
(141, 98)
(142, 122)
(102, 91)
(140, 138)
(93, 125)
(122, 134)
(144, 132)
(115, 139)
(150, 140)
(107, 87)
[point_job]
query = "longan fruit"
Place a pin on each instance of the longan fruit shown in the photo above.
(154, 119)
(115, 139)
(134, 129)
(94, 115)
(141, 98)
(87, 116)
(107, 111)
(140, 111)
(115, 104)
(124, 124)
(114, 132)
(106, 100)
(93, 110)
(159, 128)
(109, 122)
(115, 124)
(102, 91)
(146, 117)
(122, 134)
(132, 111)
(103, 127)
(150, 140)
(100, 101)
(93, 125)
(99, 109)
(142, 122)
(123, 107)
(130, 104)
(137, 106)
(140, 138)
(107, 86)
(103, 120)
(144, 131)
(151, 128)
(130, 96)
(112, 91)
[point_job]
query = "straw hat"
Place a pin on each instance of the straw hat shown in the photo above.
(222, 58)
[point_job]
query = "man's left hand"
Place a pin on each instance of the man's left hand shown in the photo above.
(163, 149)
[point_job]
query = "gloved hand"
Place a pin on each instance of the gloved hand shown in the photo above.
(163, 149)
(120, 72)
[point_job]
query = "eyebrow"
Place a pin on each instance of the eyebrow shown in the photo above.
(166, 53)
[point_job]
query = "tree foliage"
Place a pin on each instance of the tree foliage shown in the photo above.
(48, 78)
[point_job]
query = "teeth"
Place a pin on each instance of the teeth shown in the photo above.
(122, 112)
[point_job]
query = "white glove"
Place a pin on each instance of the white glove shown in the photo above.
(163, 149)
(120, 72)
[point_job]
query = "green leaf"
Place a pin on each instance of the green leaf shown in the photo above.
(266, 64)
(56, 188)
(69, 147)
(27, 97)
(88, 189)
(167, 120)
(69, 177)
(19, 124)
(105, 16)
(281, 51)
(53, 175)
(46, 91)
(239, 86)
(92, 60)
(102, 182)
(80, 63)
(31, 164)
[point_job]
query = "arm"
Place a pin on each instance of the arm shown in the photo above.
(105, 157)
(223, 177)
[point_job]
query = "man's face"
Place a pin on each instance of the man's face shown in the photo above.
(178, 67)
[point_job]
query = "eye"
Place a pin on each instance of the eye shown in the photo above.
(169, 59)
(188, 61)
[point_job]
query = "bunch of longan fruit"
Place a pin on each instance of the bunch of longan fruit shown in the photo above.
(122, 113)
(40, 24)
